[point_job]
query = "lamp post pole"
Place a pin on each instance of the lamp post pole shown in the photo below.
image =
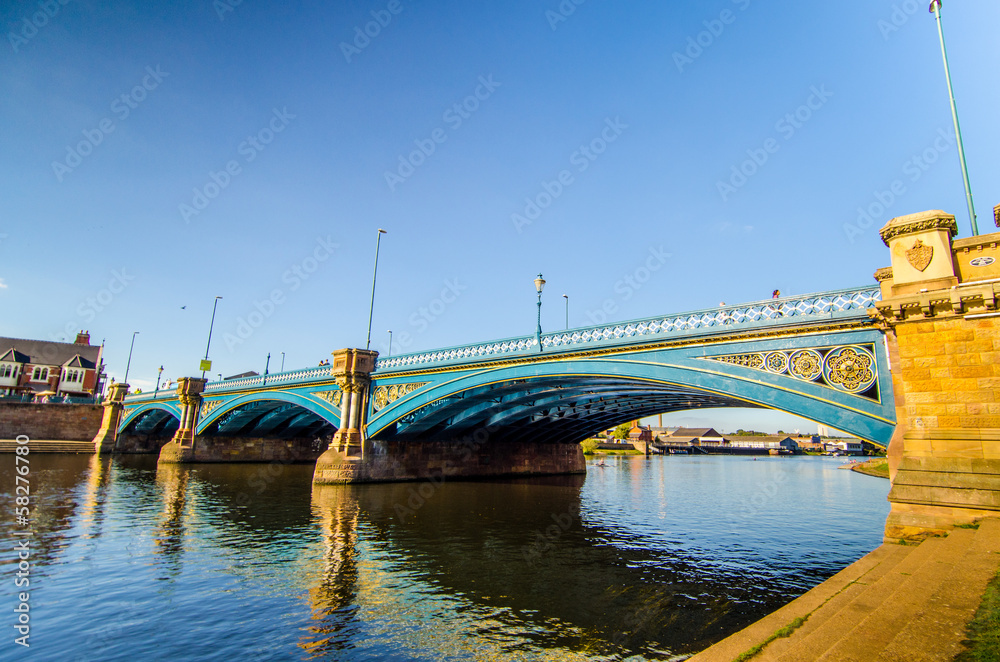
(935, 9)
(129, 363)
(266, 366)
(159, 373)
(390, 342)
(282, 362)
(210, 327)
(371, 309)
(539, 286)
(566, 296)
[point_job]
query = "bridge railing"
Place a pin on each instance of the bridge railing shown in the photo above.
(302, 376)
(852, 302)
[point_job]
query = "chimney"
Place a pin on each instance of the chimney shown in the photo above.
(82, 338)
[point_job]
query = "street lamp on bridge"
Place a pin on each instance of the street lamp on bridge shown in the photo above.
(935, 9)
(129, 363)
(159, 373)
(566, 296)
(206, 364)
(371, 309)
(539, 286)
(390, 342)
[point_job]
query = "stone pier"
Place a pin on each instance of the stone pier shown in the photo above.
(104, 441)
(939, 311)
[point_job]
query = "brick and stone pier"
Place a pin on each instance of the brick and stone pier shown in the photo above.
(939, 312)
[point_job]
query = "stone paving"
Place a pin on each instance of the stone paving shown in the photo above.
(899, 603)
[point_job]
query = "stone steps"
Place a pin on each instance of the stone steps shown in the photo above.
(937, 633)
(894, 611)
(48, 446)
(809, 647)
(899, 603)
(803, 606)
(891, 556)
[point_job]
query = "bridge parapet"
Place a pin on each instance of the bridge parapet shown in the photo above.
(851, 303)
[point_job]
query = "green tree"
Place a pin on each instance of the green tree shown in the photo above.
(621, 432)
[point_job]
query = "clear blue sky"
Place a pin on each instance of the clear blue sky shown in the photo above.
(155, 155)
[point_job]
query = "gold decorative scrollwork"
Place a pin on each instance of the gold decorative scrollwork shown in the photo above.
(208, 406)
(850, 369)
(127, 412)
(755, 361)
(776, 362)
(385, 395)
(333, 397)
(805, 364)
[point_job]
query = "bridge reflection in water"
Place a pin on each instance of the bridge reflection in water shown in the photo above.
(649, 556)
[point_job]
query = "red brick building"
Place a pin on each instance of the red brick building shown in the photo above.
(37, 367)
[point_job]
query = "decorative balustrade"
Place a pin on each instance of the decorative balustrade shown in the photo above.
(654, 328)
(302, 376)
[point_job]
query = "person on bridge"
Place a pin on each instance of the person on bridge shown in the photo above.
(775, 294)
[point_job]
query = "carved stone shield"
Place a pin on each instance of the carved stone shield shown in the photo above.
(920, 255)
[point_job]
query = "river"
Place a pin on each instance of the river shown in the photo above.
(643, 558)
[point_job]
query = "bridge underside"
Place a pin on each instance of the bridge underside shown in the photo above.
(548, 410)
(269, 418)
(261, 430)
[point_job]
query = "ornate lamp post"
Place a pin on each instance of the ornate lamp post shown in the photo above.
(129, 364)
(390, 342)
(159, 373)
(282, 362)
(539, 286)
(566, 296)
(371, 309)
(935, 9)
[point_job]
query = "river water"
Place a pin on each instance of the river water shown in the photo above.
(643, 558)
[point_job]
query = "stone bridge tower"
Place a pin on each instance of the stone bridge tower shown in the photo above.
(939, 311)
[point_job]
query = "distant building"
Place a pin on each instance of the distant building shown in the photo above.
(697, 436)
(242, 375)
(770, 442)
(811, 444)
(31, 368)
(638, 433)
(847, 446)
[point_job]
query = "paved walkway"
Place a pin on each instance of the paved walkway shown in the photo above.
(897, 604)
